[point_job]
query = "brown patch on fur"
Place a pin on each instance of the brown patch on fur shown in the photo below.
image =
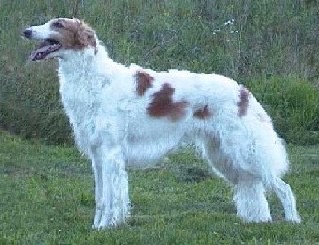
(73, 34)
(243, 101)
(163, 105)
(143, 82)
(202, 113)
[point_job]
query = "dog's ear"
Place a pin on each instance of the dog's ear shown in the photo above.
(86, 36)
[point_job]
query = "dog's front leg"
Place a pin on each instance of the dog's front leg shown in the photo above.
(97, 171)
(112, 194)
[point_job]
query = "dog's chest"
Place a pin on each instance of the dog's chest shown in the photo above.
(80, 97)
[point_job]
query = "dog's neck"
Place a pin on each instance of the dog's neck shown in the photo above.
(90, 61)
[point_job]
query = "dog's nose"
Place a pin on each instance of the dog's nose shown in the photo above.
(27, 33)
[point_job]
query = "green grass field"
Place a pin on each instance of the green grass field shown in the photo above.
(47, 198)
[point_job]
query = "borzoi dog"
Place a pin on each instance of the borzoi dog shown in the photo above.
(131, 116)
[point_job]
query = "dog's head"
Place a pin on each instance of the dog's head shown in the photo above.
(58, 36)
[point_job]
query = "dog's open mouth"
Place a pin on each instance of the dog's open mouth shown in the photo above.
(46, 47)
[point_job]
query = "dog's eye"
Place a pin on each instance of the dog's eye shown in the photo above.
(57, 24)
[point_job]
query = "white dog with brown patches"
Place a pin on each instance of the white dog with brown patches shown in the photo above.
(130, 116)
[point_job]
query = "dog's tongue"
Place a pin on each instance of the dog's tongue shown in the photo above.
(42, 52)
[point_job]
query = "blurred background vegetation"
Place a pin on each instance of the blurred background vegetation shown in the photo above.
(271, 46)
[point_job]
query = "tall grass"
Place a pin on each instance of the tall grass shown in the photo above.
(293, 104)
(265, 39)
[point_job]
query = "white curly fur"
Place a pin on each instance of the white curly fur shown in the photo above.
(113, 128)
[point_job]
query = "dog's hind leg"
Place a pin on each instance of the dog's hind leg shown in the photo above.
(251, 202)
(249, 192)
(286, 196)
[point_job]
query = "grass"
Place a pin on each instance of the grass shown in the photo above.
(47, 198)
